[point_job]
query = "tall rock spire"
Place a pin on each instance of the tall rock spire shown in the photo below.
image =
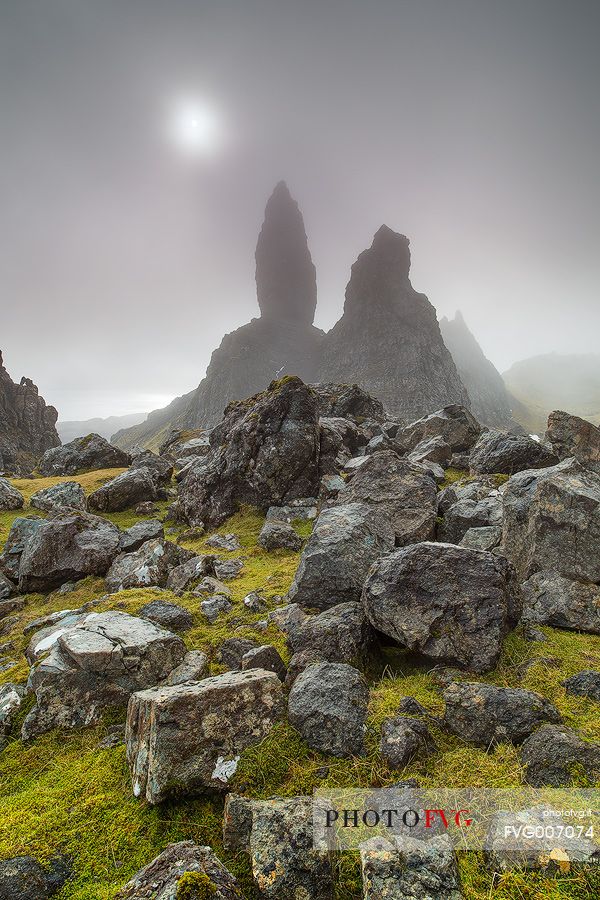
(27, 424)
(388, 341)
(286, 283)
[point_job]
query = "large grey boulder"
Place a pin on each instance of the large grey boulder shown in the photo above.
(168, 615)
(551, 599)
(11, 697)
(467, 514)
(552, 521)
(345, 542)
(68, 494)
(20, 532)
(432, 450)
(279, 536)
(66, 547)
(454, 424)
(160, 468)
(407, 867)
(148, 566)
(558, 757)
(97, 663)
(264, 453)
(340, 634)
(10, 497)
(82, 455)
(126, 490)
(571, 436)
(146, 530)
(451, 604)
(190, 736)
(485, 714)
(498, 452)
(328, 706)
(402, 493)
(165, 877)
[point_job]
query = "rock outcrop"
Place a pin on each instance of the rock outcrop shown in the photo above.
(81, 455)
(388, 340)
(27, 424)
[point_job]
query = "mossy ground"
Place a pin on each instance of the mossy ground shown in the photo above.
(62, 794)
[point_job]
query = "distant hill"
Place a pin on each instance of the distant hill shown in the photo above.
(67, 431)
(554, 381)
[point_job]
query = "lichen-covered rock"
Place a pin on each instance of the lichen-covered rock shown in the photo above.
(146, 530)
(345, 542)
(195, 667)
(66, 547)
(340, 634)
(160, 468)
(24, 878)
(485, 714)
(68, 494)
(10, 497)
(169, 615)
(225, 569)
(484, 537)
(467, 514)
(183, 870)
(584, 684)
(402, 738)
(279, 536)
(552, 521)
(11, 697)
(97, 663)
(558, 757)
(20, 532)
(190, 736)
(264, 453)
(571, 436)
(148, 566)
(408, 867)
(551, 599)
(402, 493)
(126, 490)
(192, 572)
(82, 455)
(213, 607)
(328, 706)
(497, 452)
(224, 542)
(451, 604)
(454, 424)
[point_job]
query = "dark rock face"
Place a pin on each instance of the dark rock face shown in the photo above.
(27, 425)
(552, 521)
(82, 454)
(571, 436)
(340, 634)
(553, 754)
(448, 603)
(161, 879)
(264, 453)
(584, 684)
(328, 706)
(490, 400)
(388, 340)
(454, 424)
(550, 599)
(497, 452)
(409, 867)
(131, 487)
(23, 877)
(484, 714)
(403, 738)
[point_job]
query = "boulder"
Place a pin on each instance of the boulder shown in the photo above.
(24, 878)
(345, 542)
(279, 536)
(20, 532)
(6, 589)
(169, 615)
(224, 542)
(328, 706)
(10, 497)
(557, 757)
(147, 530)
(192, 572)
(467, 514)
(584, 684)
(264, 453)
(190, 736)
(232, 650)
(551, 599)
(482, 538)
(340, 634)
(160, 468)
(182, 870)
(399, 491)
(451, 604)
(124, 491)
(226, 569)
(11, 697)
(148, 566)
(212, 607)
(484, 714)
(66, 547)
(432, 450)
(457, 427)
(264, 657)
(347, 401)
(407, 867)
(301, 661)
(304, 510)
(552, 521)
(497, 452)
(571, 436)
(402, 738)
(67, 494)
(195, 667)
(97, 663)
(82, 455)
(554, 848)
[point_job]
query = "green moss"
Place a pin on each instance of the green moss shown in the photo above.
(451, 476)
(195, 886)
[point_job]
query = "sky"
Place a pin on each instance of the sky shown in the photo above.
(471, 126)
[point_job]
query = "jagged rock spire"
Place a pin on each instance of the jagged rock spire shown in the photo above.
(286, 284)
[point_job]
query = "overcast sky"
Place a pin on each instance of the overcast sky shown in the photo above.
(470, 125)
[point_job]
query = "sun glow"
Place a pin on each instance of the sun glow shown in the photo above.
(195, 127)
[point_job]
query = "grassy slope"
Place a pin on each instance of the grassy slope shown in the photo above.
(61, 793)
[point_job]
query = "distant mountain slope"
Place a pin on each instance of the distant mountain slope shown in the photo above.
(490, 402)
(68, 431)
(554, 381)
(152, 430)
